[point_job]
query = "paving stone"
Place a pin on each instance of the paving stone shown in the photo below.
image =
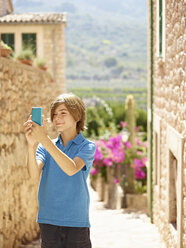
(118, 228)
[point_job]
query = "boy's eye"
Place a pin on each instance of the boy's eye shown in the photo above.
(61, 113)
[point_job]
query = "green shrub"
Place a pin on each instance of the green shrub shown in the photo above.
(93, 122)
(26, 54)
(40, 62)
(119, 113)
(3, 45)
(141, 119)
(110, 62)
(99, 121)
(118, 70)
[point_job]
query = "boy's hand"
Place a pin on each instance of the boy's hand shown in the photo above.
(38, 132)
(35, 133)
(27, 129)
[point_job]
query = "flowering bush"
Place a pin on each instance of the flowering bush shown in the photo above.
(109, 153)
(115, 152)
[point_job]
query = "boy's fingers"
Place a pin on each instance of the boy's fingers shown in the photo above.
(34, 124)
(28, 132)
(27, 128)
(27, 122)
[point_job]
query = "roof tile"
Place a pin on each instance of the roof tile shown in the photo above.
(33, 18)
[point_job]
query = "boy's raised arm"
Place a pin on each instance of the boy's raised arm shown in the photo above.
(34, 166)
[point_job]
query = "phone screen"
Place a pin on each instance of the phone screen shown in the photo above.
(37, 115)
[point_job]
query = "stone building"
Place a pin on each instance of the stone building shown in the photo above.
(5, 7)
(21, 87)
(167, 119)
(44, 32)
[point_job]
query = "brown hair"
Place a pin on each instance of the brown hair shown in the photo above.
(75, 107)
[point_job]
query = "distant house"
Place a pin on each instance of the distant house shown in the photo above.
(167, 119)
(43, 32)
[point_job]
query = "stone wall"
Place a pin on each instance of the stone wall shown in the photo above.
(54, 51)
(21, 87)
(4, 7)
(169, 109)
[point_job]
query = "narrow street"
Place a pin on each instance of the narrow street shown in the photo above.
(118, 228)
(122, 228)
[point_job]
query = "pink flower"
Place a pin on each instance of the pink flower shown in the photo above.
(116, 180)
(139, 173)
(98, 155)
(114, 142)
(138, 162)
(107, 161)
(94, 171)
(118, 156)
(137, 142)
(144, 144)
(123, 124)
(136, 129)
(128, 144)
(139, 152)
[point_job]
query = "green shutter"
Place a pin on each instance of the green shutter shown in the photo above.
(8, 39)
(29, 41)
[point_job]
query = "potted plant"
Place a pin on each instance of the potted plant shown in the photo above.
(41, 64)
(26, 56)
(5, 50)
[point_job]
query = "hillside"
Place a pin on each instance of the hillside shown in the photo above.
(105, 40)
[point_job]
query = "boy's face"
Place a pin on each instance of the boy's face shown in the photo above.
(63, 120)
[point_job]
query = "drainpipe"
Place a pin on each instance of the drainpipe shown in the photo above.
(151, 107)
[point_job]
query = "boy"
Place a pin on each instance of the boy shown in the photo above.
(64, 164)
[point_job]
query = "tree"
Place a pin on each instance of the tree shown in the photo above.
(110, 62)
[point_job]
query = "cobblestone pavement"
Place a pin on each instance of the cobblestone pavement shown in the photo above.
(118, 228)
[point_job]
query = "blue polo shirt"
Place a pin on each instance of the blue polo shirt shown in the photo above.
(64, 200)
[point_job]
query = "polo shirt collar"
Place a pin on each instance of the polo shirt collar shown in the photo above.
(77, 140)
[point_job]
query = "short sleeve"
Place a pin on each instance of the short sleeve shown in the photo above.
(41, 153)
(87, 153)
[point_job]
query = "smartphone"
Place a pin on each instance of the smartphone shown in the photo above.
(37, 115)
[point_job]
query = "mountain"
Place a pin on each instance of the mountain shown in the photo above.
(106, 40)
(133, 8)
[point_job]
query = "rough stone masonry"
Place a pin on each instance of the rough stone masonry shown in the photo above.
(21, 87)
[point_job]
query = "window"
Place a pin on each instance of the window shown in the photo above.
(9, 39)
(160, 28)
(29, 42)
(175, 151)
(157, 146)
(173, 190)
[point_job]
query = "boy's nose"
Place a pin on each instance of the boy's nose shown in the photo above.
(57, 116)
